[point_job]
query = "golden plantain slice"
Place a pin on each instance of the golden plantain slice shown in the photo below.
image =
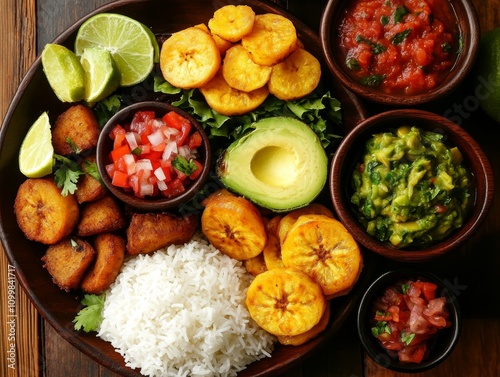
(241, 73)
(272, 253)
(285, 301)
(234, 226)
(232, 22)
(255, 265)
(297, 340)
(272, 39)
(322, 248)
(291, 217)
(189, 58)
(229, 101)
(42, 213)
(297, 76)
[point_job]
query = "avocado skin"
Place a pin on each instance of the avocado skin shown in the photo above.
(280, 165)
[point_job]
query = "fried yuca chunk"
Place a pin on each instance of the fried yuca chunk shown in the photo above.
(67, 262)
(272, 39)
(110, 254)
(189, 58)
(75, 130)
(229, 101)
(43, 213)
(295, 77)
(291, 217)
(285, 301)
(88, 188)
(100, 216)
(148, 232)
(240, 71)
(297, 340)
(234, 226)
(255, 265)
(232, 22)
(322, 248)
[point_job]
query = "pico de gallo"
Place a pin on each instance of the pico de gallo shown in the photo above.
(155, 156)
(399, 46)
(407, 317)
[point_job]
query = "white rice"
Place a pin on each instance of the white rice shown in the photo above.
(181, 312)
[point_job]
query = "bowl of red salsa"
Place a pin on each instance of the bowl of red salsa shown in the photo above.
(400, 52)
(409, 321)
(153, 156)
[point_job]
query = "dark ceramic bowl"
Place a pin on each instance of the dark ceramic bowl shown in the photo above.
(467, 22)
(158, 202)
(439, 347)
(351, 150)
(34, 96)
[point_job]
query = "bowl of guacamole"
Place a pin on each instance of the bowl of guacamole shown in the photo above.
(410, 184)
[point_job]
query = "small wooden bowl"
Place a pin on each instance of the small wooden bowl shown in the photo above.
(439, 347)
(157, 203)
(467, 21)
(350, 152)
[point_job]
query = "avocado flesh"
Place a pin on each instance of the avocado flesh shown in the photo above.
(280, 165)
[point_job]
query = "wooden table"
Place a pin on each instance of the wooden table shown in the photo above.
(27, 25)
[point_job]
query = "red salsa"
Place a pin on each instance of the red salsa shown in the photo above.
(154, 156)
(399, 46)
(407, 316)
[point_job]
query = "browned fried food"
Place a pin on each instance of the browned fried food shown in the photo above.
(67, 262)
(232, 22)
(88, 188)
(76, 128)
(297, 340)
(42, 213)
(100, 216)
(149, 232)
(235, 226)
(110, 249)
(255, 265)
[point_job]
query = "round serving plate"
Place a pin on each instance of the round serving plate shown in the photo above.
(35, 96)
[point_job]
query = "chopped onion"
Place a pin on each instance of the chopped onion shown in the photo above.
(160, 174)
(156, 138)
(185, 151)
(146, 189)
(132, 140)
(170, 148)
(144, 164)
(162, 185)
(130, 163)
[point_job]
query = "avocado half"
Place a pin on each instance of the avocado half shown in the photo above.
(280, 165)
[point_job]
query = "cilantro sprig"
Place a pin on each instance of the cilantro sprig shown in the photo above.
(67, 173)
(90, 318)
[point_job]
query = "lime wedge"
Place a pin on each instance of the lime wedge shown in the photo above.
(154, 41)
(64, 72)
(101, 74)
(36, 153)
(126, 39)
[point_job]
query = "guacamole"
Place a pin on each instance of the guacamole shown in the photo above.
(411, 189)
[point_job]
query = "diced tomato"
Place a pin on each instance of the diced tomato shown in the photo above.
(428, 289)
(140, 120)
(199, 168)
(180, 123)
(195, 140)
(116, 130)
(412, 354)
(120, 179)
(119, 152)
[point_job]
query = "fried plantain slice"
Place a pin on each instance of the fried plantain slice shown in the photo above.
(291, 217)
(296, 77)
(234, 226)
(240, 71)
(189, 58)
(148, 232)
(229, 101)
(322, 248)
(232, 22)
(88, 188)
(100, 216)
(272, 252)
(110, 254)
(285, 301)
(67, 262)
(272, 39)
(297, 340)
(255, 265)
(75, 130)
(42, 213)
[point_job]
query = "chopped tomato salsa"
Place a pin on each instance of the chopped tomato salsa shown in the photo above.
(399, 46)
(407, 316)
(155, 156)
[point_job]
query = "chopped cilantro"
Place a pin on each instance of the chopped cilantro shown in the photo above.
(404, 288)
(90, 317)
(407, 338)
(72, 145)
(399, 13)
(377, 48)
(91, 169)
(372, 80)
(380, 328)
(106, 108)
(384, 20)
(353, 64)
(67, 174)
(400, 37)
(183, 165)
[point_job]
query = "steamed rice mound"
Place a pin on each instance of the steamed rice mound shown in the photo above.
(181, 312)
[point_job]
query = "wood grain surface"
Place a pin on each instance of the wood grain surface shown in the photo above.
(27, 25)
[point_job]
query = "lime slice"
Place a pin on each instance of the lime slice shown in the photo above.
(64, 72)
(154, 42)
(36, 153)
(126, 39)
(101, 74)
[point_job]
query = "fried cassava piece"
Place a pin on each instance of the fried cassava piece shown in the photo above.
(43, 213)
(149, 232)
(67, 262)
(100, 216)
